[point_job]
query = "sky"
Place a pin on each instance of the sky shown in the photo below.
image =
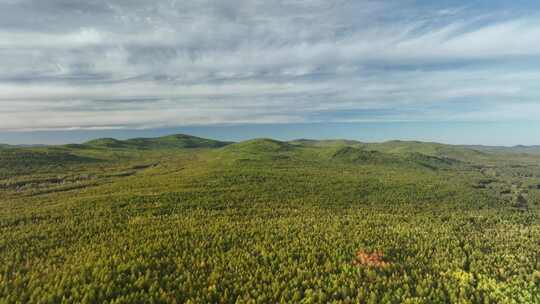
(447, 71)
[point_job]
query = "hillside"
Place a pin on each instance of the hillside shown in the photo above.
(181, 219)
(17, 161)
(166, 142)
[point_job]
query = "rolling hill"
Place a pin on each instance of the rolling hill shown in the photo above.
(165, 142)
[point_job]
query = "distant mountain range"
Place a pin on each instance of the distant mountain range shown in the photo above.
(187, 141)
(514, 149)
(20, 146)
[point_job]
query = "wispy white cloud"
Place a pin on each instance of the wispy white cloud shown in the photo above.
(164, 63)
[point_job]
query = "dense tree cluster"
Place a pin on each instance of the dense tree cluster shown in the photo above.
(241, 227)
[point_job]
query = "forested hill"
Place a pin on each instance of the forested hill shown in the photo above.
(180, 141)
(171, 141)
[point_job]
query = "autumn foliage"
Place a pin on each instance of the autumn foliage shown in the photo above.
(375, 259)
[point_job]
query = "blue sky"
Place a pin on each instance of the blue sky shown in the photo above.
(447, 71)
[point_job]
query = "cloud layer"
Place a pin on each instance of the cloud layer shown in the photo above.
(142, 64)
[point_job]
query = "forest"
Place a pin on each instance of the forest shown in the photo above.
(182, 219)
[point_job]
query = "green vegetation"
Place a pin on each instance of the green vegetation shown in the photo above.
(166, 142)
(27, 161)
(181, 219)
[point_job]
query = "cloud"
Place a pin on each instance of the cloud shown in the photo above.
(100, 64)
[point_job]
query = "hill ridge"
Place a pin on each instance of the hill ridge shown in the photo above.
(168, 141)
